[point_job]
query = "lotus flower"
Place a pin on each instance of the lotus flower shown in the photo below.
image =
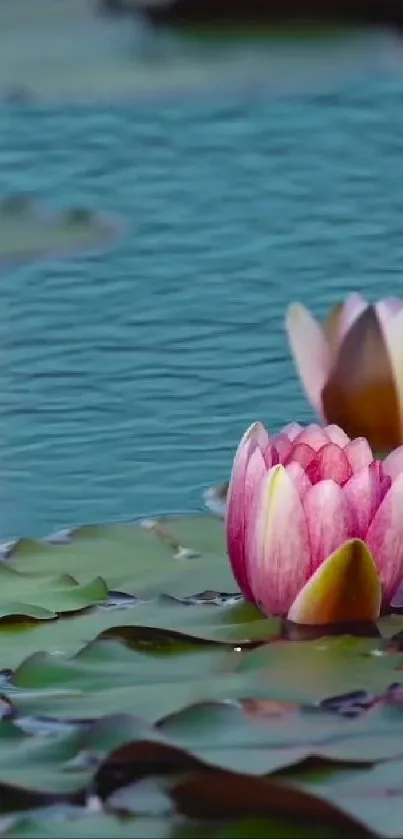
(352, 366)
(315, 524)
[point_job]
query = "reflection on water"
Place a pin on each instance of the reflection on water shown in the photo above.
(58, 50)
(127, 378)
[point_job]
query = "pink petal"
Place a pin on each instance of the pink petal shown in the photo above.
(255, 472)
(385, 539)
(299, 478)
(329, 462)
(353, 307)
(307, 443)
(251, 530)
(330, 521)
(278, 544)
(364, 494)
(283, 446)
(292, 430)
(270, 455)
(301, 453)
(386, 483)
(235, 513)
(258, 434)
(359, 453)
(314, 436)
(337, 435)
(310, 351)
(393, 463)
(387, 308)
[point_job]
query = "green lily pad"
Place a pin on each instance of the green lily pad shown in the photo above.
(146, 796)
(28, 231)
(313, 670)
(42, 597)
(63, 763)
(232, 736)
(152, 679)
(141, 675)
(65, 822)
(36, 765)
(390, 625)
(182, 556)
(107, 677)
(229, 625)
(373, 797)
(238, 624)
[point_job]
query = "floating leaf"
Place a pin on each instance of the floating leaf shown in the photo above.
(41, 766)
(314, 670)
(107, 677)
(146, 797)
(373, 797)
(230, 625)
(65, 822)
(179, 557)
(152, 681)
(41, 597)
(28, 231)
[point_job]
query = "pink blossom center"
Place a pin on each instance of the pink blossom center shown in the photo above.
(364, 483)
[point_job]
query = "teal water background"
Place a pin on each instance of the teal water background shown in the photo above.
(127, 377)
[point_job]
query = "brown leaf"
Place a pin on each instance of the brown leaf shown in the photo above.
(138, 759)
(228, 794)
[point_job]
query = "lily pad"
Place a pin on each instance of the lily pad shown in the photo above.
(155, 624)
(42, 597)
(161, 674)
(64, 822)
(373, 797)
(141, 692)
(35, 766)
(29, 231)
(313, 670)
(106, 677)
(179, 557)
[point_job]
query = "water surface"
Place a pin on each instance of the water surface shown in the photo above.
(127, 378)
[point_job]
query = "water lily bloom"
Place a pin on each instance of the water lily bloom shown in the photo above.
(315, 524)
(351, 367)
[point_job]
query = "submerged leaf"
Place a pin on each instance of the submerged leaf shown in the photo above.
(225, 794)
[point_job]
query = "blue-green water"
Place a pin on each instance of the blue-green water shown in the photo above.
(127, 378)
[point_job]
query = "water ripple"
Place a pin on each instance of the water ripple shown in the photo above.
(127, 378)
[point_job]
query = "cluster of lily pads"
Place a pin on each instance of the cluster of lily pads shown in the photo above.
(143, 696)
(188, 678)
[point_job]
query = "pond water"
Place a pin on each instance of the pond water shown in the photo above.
(127, 377)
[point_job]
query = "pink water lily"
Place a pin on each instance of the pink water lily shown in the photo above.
(315, 524)
(351, 366)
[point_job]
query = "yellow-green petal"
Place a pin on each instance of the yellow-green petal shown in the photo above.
(345, 589)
